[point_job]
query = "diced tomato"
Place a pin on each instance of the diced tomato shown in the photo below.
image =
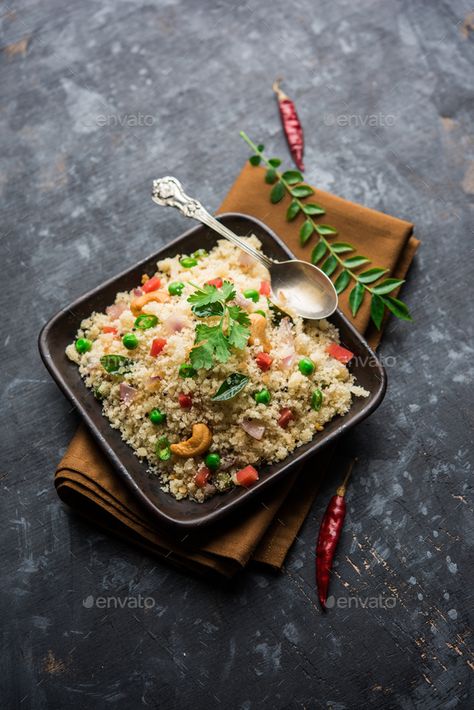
(265, 288)
(152, 284)
(339, 353)
(286, 415)
(264, 361)
(215, 282)
(185, 401)
(109, 329)
(246, 476)
(202, 477)
(157, 346)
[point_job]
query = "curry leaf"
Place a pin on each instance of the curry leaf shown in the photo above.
(292, 211)
(302, 191)
(342, 247)
(368, 277)
(232, 385)
(387, 286)
(277, 193)
(306, 231)
(271, 176)
(377, 309)
(292, 177)
(116, 364)
(354, 261)
(318, 252)
(397, 307)
(356, 297)
(330, 265)
(292, 181)
(312, 209)
(342, 281)
(325, 229)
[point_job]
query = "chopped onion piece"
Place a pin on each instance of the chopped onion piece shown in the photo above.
(242, 301)
(115, 310)
(245, 259)
(253, 429)
(127, 393)
(287, 360)
(175, 323)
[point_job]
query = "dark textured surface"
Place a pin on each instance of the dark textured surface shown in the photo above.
(75, 184)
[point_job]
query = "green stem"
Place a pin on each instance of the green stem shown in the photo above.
(287, 187)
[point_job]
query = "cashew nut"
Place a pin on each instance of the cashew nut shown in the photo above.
(138, 304)
(258, 326)
(199, 442)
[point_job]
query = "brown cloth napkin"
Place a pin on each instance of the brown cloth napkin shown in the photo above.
(88, 483)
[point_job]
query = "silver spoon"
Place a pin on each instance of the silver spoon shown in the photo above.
(297, 287)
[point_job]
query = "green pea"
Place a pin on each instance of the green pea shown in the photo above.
(213, 461)
(252, 294)
(130, 341)
(316, 400)
(176, 288)
(83, 345)
(306, 366)
(262, 313)
(263, 396)
(145, 321)
(187, 262)
(186, 370)
(199, 253)
(157, 417)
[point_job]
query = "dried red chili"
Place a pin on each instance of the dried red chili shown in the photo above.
(329, 534)
(291, 125)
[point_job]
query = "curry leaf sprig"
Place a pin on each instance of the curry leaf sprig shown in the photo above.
(332, 253)
(214, 342)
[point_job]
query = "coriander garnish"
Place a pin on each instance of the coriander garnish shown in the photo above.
(214, 343)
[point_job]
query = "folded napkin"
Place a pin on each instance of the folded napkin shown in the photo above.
(266, 530)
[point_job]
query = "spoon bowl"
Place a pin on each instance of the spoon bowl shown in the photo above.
(301, 288)
(297, 287)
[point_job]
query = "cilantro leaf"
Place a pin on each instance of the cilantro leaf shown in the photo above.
(237, 313)
(201, 357)
(204, 295)
(238, 334)
(208, 309)
(228, 291)
(207, 294)
(212, 344)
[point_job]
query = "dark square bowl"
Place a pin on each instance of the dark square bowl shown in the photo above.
(185, 514)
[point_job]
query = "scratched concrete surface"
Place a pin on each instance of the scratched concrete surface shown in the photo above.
(75, 183)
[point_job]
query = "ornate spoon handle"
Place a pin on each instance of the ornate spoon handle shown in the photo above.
(168, 191)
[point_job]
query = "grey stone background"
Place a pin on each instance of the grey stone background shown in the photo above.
(75, 182)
